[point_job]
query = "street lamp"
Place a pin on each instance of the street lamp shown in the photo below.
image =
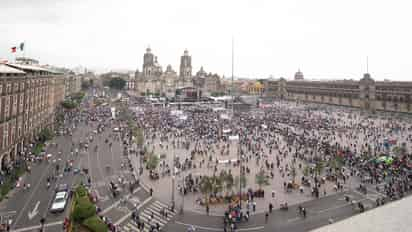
(173, 178)
(182, 206)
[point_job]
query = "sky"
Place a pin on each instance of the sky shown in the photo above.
(325, 39)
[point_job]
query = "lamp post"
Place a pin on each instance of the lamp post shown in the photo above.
(173, 178)
(182, 206)
(240, 174)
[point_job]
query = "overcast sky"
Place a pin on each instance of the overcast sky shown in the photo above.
(326, 39)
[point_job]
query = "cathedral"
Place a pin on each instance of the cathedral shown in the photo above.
(152, 80)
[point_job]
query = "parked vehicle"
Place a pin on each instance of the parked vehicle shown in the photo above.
(59, 202)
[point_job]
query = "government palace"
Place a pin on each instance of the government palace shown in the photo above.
(152, 80)
(365, 94)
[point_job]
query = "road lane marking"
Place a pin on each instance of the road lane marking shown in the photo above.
(130, 213)
(32, 194)
(339, 206)
(118, 202)
(293, 219)
(31, 228)
(219, 229)
(35, 211)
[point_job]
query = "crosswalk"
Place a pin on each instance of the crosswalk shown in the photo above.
(155, 207)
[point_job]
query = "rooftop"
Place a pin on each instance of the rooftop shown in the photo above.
(28, 67)
(9, 70)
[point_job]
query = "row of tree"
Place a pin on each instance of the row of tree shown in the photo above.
(225, 182)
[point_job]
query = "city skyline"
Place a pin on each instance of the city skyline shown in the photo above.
(324, 40)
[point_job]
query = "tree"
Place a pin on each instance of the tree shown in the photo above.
(86, 85)
(261, 179)
(45, 134)
(117, 83)
(293, 172)
(137, 133)
(152, 161)
(78, 97)
(217, 184)
(229, 181)
(241, 180)
(336, 163)
(206, 187)
(69, 104)
(399, 150)
(306, 170)
(319, 166)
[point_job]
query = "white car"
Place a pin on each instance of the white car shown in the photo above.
(116, 129)
(60, 202)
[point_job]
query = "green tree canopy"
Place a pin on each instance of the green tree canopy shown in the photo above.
(45, 134)
(261, 179)
(152, 161)
(206, 187)
(241, 180)
(117, 83)
(69, 104)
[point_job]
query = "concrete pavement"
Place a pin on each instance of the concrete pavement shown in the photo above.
(319, 211)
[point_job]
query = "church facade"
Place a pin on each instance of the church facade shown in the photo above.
(152, 80)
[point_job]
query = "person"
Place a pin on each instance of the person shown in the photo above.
(270, 207)
(191, 228)
(266, 217)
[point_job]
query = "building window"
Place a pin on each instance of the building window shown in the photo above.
(6, 107)
(5, 135)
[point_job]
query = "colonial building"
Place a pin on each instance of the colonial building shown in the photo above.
(73, 84)
(366, 94)
(154, 81)
(29, 97)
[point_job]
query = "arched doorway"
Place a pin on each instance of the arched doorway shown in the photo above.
(4, 162)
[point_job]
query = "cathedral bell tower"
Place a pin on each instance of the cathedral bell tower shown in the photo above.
(148, 63)
(185, 66)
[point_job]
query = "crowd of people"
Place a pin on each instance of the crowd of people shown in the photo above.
(307, 145)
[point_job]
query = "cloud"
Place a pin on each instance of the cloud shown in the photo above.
(271, 37)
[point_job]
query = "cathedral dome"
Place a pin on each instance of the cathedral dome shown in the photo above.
(299, 75)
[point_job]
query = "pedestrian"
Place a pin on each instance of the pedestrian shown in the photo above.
(266, 217)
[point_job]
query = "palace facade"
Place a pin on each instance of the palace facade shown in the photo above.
(366, 93)
(29, 99)
(152, 80)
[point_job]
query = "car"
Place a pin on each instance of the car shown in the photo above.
(59, 202)
(116, 129)
(62, 188)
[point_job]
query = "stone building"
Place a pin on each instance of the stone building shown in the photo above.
(366, 93)
(154, 81)
(73, 84)
(30, 96)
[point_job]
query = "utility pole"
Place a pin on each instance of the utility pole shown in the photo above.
(173, 178)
